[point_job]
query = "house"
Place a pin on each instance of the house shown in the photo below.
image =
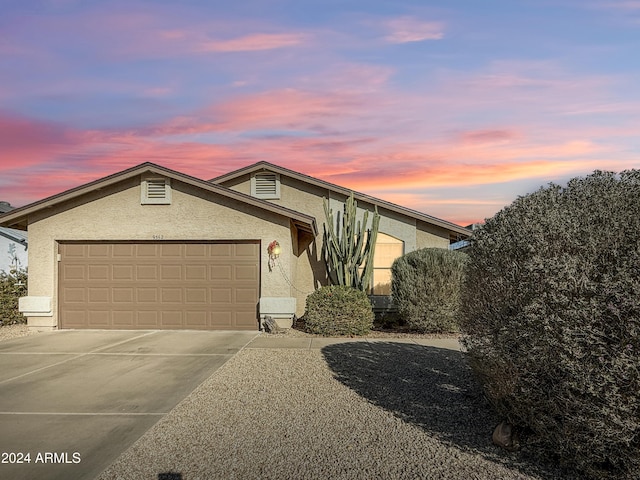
(13, 245)
(153, 248)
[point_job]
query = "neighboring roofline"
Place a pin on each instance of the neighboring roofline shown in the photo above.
(9, 233)
(18, 217)
(262, 165)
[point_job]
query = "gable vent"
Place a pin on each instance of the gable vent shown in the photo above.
(265, 185)
(156, 191)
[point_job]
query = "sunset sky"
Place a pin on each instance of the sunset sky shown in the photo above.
(449, 107)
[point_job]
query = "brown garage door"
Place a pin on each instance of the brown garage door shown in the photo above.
(159, 285)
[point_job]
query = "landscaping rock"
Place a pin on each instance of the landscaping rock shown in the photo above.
(506, 436)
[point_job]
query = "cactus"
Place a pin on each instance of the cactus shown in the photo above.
(347, 246)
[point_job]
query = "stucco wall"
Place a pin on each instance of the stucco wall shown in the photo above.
(430, 236)
(306, 198)
(115, 213)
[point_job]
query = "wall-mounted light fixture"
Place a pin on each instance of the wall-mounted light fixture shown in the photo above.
(274, 251)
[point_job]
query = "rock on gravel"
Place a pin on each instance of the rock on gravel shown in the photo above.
(349, 411)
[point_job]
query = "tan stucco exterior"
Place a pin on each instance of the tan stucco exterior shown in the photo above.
(309, 273)
(116, 213)
(429, 236)
(114, 209)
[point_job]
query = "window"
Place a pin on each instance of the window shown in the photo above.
(388, 248)
(155, 191)
(266, 186)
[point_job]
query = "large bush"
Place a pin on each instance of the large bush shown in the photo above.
(551, 312)
(13, 285)
(338, 310)
(426, 287)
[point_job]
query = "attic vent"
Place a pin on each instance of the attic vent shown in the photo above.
(156, 191)
(265, 185)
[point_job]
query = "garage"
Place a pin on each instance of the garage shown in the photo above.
(152, 248)
(159, 285)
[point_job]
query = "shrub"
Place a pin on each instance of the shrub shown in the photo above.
(426, 287)
(10, 291)
(338, 310)
(551, 316)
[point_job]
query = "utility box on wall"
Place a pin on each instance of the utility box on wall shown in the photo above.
(35, 306)
(281, 309)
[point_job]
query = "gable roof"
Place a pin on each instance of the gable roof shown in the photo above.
(266, 166)
(11, 233)
(19, 217)
(14, 235)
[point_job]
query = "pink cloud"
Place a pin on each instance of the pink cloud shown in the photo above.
(409, 29)
(286, 109)
(25, 141)
(459, 210)
(164, 31)
(487, 136)
(254, 42)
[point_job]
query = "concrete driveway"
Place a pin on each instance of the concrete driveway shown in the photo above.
(74, 400)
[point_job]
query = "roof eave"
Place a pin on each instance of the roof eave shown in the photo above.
(19, 217)
(262, 165)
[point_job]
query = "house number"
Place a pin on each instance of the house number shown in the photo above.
(158, 237)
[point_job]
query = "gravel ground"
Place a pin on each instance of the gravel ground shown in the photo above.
(349, 411)
(14, 331)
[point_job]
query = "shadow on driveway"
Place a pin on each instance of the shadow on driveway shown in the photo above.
(432, 388)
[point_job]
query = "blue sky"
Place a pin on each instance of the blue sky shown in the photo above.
(453, 108)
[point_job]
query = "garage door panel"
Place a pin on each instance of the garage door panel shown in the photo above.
(123, 319)
(171, 319)
(246, 250)
(125, 250)
(196, 319)
(221, 295)
(245, 296)
(99, 295)
(221, 272)
(75, 250)
(122, 294)
(171, 295)
(195, 273)
(75, 318)
(222, 319)
(155, 286)
(98, 318)
(74, 272)
(146, 272)
(122, 272)
(98, 272)
(99, 251)
(147, 295)
(148, 319)
(196, 296)
(171, 250)
(171, 272)
(245, 272)
(220, 250)
(245, 319)
(74, 295)
(196, 250)
(146, 250)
